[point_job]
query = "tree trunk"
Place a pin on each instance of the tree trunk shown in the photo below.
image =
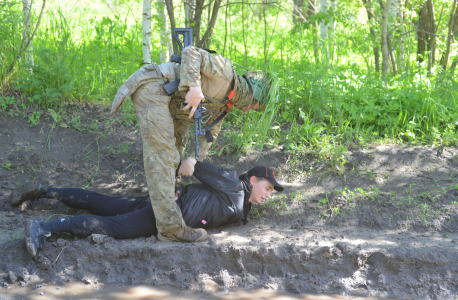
(312, 8)
(332, 30)
(146, 22)
(243, 32)
(24, 46)
(299, 7)
(423, 26)
(197, 20)
(323, 28)
(403, 39)
(171, 13)
(431, 37)
(370, 16)
(391, 51)
(453, 66)
(385, 53)
(452, 30)
(189, 9)
(392, 15)
(206, 38)
(26, 13)
(225, 27)
(165, 46)
(324, 4)
(426, 25)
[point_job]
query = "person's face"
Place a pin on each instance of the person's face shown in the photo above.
(261, 190)
(255, 106)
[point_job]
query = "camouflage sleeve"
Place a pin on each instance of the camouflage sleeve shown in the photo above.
(196, 62)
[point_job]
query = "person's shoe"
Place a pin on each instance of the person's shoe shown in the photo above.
(184, 234)
(27, 191)
(34, 237)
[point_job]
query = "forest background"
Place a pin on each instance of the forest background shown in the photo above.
(352, 72)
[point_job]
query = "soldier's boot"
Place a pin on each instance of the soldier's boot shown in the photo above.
(34, 237)
(27, 191)
(183, 233)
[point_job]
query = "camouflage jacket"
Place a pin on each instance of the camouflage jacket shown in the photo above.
(215, 75)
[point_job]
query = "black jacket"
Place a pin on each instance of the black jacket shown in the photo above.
(221, 198)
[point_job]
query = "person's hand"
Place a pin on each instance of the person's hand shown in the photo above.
(187, 166)
(193, 98)
(177, 194)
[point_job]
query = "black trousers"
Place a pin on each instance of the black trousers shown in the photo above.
(117, 217)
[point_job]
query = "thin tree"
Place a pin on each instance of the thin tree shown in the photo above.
(196, 22)
(165, 44)
(189, 9)
(370, 17)
(403, 38)
(432, 38)
(332, 29)
(392, 15)
(26, 12)
(146, 25)
(212, 17)
(225, 27)
(385, 53)
(452, 31)
(426, 33)
(171, 13)
(26, 44)
(298, 8)
(324, 4)
(243, 32)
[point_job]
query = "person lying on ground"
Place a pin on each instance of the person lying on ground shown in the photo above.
(164, 120)
(221, 198)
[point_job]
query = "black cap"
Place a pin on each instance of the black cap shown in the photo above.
(263, 171)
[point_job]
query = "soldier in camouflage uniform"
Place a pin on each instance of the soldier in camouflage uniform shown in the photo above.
(164, 122)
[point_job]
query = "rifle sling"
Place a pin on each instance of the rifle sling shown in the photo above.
(208, 135)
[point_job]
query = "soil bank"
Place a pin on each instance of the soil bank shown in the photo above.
(387, 226)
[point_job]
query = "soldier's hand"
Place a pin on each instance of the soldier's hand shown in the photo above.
(187, 166)
(193, 98)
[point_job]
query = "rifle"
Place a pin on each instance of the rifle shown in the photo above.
(171, 87)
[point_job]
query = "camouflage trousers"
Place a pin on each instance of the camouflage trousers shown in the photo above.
(160, 154)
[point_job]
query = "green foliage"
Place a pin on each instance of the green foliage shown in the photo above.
(7, 166)
(10, 35)
(323, 201)
(34, 118)
(330, 96)
(76, 59)
(5, 102)
(120, 149)
(76, 122)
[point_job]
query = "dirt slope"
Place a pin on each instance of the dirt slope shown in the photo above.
(386, 227)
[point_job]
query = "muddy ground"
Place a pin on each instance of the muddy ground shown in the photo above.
(387, 226)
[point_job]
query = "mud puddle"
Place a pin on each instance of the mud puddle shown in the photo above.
(76, 291)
